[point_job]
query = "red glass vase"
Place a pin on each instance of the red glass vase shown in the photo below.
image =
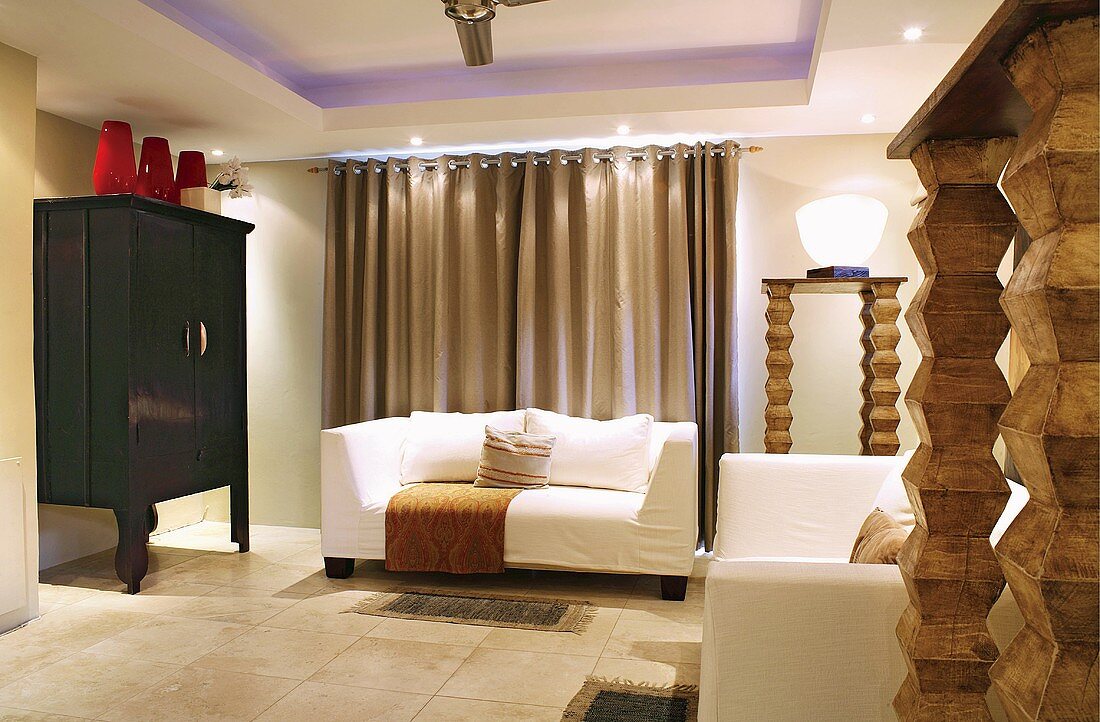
(154, 177)
(114, 170)
(191, 170)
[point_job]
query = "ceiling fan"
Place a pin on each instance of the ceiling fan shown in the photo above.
(472, 21)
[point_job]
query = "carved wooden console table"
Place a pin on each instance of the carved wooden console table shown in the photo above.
(880, 363)
(1023, 100)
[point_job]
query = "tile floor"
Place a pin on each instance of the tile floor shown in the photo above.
(219, 635)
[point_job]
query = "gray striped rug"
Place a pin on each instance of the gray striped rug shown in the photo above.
(616, 700)
(485, 610)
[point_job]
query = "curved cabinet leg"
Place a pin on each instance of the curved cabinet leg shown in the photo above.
(238, 515)
(131, 556)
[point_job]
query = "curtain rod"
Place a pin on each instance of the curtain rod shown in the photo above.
(453, 164)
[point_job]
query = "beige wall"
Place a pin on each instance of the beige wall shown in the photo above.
(826, 378)
(18, 525)
(64, 155)
(285, 278)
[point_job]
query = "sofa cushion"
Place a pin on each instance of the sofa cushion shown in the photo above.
(447, 447)
(514, 460)
(602, 454)
(879, 541)
(892, 497)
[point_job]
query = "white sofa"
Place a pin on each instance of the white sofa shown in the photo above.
(558, 527)
(791, 630)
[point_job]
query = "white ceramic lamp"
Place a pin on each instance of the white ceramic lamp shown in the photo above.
(840, 233)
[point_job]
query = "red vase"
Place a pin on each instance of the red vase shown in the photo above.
(114, 170)
(154, 177)
(191, 170)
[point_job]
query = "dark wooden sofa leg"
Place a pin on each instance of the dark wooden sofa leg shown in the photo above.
(339, 567)
(673, 589)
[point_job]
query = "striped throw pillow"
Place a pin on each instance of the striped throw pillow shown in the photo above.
(514, 460)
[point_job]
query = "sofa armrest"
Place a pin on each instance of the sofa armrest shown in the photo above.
(795, 505)
(671, 505)
(791, 640)
(361, 463)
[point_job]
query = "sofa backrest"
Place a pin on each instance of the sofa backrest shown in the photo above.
(795, 505)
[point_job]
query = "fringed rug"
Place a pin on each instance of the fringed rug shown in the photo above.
(485, 610)
(605, 700)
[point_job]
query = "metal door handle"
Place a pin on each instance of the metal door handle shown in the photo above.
(186, 338)
(202, 338)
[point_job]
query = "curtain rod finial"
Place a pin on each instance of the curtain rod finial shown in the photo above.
(316, 169)
(754, 148)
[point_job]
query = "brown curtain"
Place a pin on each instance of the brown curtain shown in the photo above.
(594, 287)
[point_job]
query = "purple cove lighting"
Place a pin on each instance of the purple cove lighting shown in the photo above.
(505, 78)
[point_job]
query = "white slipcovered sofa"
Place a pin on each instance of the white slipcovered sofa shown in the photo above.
(791, 630)
(557, 527)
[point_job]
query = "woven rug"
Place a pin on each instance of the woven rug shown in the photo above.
(484, 610)
(605, 700)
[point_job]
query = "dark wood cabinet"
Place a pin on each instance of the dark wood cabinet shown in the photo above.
(139, 361)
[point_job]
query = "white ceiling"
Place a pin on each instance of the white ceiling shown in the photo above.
(269, 79)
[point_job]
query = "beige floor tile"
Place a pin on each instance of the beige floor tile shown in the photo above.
(525, 677)
(689, 611)
(19, 658)
(237, 605)
(308, 556)
(286, 578)
(642, 635)
(326, 612)
(173, 640)
(218, 569)
(335, 703)
(8, 714)
(75, 627)
(157, 596)
(393, 664)
(462, 635)
(590, 643)
(640, 670)
(194, 694)
(83, 685)
(453, 709)
(290, 653)
(60, 594)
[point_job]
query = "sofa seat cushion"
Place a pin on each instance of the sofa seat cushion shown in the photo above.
(554, 527)
(447, 447)
(611, 454)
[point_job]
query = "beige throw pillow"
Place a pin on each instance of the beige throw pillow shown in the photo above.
(514, 460)
(879, 541)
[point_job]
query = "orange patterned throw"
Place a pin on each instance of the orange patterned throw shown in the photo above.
(456, 528)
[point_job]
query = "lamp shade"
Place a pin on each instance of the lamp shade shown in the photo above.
(842, 230)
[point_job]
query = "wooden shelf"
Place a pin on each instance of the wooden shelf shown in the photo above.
(830, 285)
(976, 99)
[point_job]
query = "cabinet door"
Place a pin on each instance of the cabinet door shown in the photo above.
(163, 342)
(220, 373)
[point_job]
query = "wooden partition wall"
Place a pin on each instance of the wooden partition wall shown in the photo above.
(1024, 94)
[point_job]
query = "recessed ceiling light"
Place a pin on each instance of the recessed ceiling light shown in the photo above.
(217, 152)
(416, 140)
(623, 130)
(913, 33)
(867, 118)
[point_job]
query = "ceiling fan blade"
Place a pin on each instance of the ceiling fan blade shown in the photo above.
(476, 40)
(517, 3)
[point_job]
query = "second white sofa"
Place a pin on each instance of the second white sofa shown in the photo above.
(792, 630)
(558, 527)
